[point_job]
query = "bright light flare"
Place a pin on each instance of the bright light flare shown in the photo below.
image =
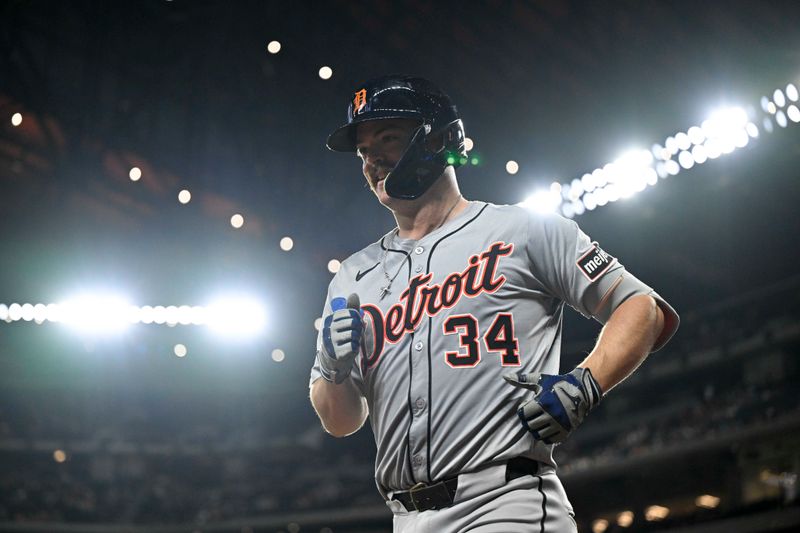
(286, 244)
(274, 47)
(631, 172)
(724, 119)
(111, 313)
(135, 174)
(778, 98)
(95, 313)
(780, 118)
(325, 73)
(236, 316)
(599, 525)
(707, 501)
(725, 130)
(625, 519)
(791, 92)
(655, 513)
(180, 350)
(185, 196)
(16, 119)
(543, 201)
(696, 135)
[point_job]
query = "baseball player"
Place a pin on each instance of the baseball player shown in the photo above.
(446, 332)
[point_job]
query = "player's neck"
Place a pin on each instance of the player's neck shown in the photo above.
(441, 203)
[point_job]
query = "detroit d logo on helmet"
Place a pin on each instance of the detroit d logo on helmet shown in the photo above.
(359, 101)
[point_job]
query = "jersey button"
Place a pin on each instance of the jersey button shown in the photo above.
(418, 250)
(420, 403)
(417, 460)
(418, 268)
(418, 346)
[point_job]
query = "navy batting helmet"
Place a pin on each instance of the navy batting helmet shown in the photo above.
(407, 97)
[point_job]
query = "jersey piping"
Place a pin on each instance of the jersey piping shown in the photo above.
(410, 370)
(430, 329)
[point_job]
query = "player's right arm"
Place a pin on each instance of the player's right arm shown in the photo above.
(341, 407)
(335, 396)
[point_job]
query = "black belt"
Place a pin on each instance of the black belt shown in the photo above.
(424, 497)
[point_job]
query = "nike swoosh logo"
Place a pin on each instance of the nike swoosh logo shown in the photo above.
(576, 400)
(360, 274)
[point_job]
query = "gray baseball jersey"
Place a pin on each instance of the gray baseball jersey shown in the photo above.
(479, 297)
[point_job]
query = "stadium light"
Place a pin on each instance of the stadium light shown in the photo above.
(236, 316)
(95, 313)
(724, 131)
(791, 92)
(625, 519)
(654, 513)
(707, 501)
(286, 244)
(543, 201)
(109, 313)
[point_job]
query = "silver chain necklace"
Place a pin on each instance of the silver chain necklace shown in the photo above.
(389, 280)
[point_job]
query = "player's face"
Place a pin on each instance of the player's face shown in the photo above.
(380, 144)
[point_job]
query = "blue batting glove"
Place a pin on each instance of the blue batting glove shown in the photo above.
(342, 331)
(560, 404)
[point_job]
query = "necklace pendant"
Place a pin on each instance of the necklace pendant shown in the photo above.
(384, 292)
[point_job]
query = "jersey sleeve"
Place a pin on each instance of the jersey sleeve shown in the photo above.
(355, 375)
(578, 271)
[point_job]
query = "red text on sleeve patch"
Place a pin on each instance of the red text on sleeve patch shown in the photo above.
(594, 262)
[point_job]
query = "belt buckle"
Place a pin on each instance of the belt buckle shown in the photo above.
(416, 488)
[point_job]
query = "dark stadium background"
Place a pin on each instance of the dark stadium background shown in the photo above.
(225, 439)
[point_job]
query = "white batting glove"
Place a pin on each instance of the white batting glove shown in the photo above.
(560, 404)
(342, 331)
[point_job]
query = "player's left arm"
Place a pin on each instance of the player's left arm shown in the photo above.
(630, 334)
(636, 322)
(561, 402)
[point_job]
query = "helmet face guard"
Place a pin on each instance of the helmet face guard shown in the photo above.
(393, 97)
(419, 167)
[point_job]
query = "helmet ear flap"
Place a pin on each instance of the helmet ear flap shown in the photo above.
(420, 166)
(455, 143)
(417, 169)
